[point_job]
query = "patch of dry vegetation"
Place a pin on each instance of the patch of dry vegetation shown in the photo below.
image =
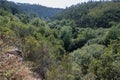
(13, 68)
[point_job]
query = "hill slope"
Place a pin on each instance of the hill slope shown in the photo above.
(73, 47)
(14, 68)
(92, 14)
(41, 11)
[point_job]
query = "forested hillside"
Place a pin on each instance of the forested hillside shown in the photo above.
(92, 14)
(29, 9)
(80, 43)
(41, 11)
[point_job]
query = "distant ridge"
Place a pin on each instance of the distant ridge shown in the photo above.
(39, 10)
(92, 14)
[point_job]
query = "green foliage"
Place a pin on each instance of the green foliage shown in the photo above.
(65, 70)
(30, 49)
(105, 67)
(10, 7)
(61, 49)
(66, 36)
(19, 28)
(41, 11)
(112, 34)
(86, 54)
(44, 58)
(38, 22)
(92, 14)
(57, 24)
(82, 36)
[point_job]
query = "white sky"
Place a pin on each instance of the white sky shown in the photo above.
(52, 3)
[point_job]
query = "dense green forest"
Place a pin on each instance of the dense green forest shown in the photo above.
(81, 42)
(40, 11)
(29, 9)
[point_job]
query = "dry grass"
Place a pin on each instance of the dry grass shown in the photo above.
(13, 68)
